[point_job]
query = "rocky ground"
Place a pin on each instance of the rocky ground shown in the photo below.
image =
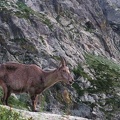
(42, 116)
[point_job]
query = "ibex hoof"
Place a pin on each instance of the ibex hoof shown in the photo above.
(2, 100)
(35, 110)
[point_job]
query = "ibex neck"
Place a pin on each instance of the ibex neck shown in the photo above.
(51, 78)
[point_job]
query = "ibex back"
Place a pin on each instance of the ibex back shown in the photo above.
(17, 78)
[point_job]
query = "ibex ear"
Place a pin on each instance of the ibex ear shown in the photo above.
(63, 61)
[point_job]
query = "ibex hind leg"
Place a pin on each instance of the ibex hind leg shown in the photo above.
(6, 94)
(4, 87)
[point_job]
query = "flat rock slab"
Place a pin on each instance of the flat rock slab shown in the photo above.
(43, 116)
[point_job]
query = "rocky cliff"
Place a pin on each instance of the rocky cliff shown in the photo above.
(39, 31)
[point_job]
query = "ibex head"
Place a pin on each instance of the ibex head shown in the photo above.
(64, 73)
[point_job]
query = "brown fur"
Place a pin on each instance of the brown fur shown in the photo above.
(17, 78)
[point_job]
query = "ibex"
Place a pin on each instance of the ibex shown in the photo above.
(17, 78)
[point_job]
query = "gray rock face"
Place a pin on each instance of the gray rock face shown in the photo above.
(39, 31)
(111, 9)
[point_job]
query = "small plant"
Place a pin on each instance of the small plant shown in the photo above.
(42, 103)
(48, 23)
(24, 10)
(42, 40)
(15, 102)
(89, 26)
(6, 114)
(58, 18)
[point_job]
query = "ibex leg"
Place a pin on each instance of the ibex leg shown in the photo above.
(7, 96)
(5, 91)
(34, 99)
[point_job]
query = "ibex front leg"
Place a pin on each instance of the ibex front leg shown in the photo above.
(34, 99)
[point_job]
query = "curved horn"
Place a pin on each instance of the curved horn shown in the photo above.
(63, 61)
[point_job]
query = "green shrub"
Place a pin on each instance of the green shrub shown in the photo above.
(6, 114)
(24, 10)
(16, 103)
(106, 73)
(106, 80)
